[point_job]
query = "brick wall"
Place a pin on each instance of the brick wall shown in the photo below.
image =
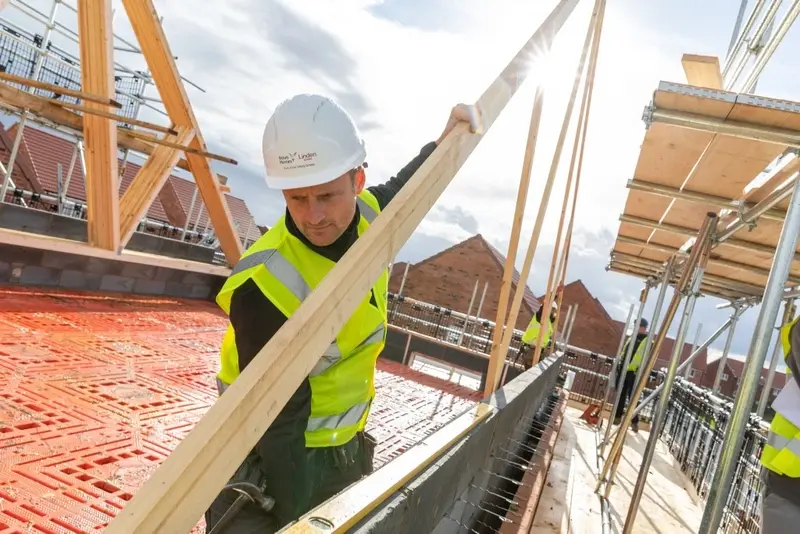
(35, 267)
(448, 279)
(726, 387)
(594, 330)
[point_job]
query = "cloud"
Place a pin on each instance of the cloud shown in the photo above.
(312, 51)
(458, 216)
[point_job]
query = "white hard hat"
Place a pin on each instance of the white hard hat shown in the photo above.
(310, 140)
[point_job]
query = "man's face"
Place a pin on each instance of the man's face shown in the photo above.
(642, 329)
(323, 212)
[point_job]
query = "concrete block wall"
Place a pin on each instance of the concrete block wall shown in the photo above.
(35, 267)
(45, 223)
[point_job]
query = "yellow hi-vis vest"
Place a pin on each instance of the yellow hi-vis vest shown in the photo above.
(781, 453)
(532, 333)
(342, 382)
(636, 357)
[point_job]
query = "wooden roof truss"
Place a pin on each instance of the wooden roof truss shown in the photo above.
(111, 219)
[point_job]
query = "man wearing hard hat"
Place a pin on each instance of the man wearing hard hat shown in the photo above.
(316, 446)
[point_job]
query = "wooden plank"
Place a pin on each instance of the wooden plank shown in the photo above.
(58, 90)
(555, 504)
(68, 246)
(776, 180)
(153, 42)
(185, 484)
(20, 100)
(99, 133)
(702, 71)
(148, 183)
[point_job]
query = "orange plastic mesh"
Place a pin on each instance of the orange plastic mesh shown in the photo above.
(96, 390)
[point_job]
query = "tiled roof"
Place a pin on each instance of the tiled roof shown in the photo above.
(529, 298)
(24, 175)
(47, 150)
(184, 189)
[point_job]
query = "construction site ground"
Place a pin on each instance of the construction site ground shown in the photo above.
(97, 389)
(569, 499)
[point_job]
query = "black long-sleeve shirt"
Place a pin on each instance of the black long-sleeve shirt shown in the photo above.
(281, 451)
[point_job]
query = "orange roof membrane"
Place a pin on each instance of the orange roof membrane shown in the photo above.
(98, 389)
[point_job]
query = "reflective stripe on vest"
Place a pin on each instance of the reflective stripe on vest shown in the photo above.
(342, 381)
(638, 355)
(332, 422)
(781, 453)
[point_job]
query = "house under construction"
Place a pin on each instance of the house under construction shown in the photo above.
(116, 233)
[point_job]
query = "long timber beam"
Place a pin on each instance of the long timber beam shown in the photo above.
(155, 48)
(15, 100)
(99, 133)
(185, 484)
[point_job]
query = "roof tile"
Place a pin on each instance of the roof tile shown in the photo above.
(47, 150)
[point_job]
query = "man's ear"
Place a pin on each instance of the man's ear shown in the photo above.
(360, 180)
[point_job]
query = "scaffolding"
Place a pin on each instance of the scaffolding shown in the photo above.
(733, 238)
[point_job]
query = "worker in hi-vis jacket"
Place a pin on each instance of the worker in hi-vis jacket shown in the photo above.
(781, 454)
(316, 446)
(531, 334)
(628, 379)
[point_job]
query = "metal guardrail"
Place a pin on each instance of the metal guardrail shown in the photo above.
(592, 372)
(77, 210)
(694, 430)
(447, 325)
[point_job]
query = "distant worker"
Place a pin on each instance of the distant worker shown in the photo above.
(629, 378)
(531, 335)
(317, 445)
(781, 454)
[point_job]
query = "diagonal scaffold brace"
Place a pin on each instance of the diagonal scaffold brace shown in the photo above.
(700, 246)
(182, 488)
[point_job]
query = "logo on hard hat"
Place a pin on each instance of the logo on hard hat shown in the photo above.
(304, 159)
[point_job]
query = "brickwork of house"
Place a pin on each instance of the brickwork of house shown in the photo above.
(732, 376)
(448, 278)
(594, 329)
(699, 369)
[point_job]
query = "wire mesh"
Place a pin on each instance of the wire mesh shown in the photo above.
(18, 53)
(694, 430)
(592, 372)
(446, 325)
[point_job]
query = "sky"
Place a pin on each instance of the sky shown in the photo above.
(398, 66)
